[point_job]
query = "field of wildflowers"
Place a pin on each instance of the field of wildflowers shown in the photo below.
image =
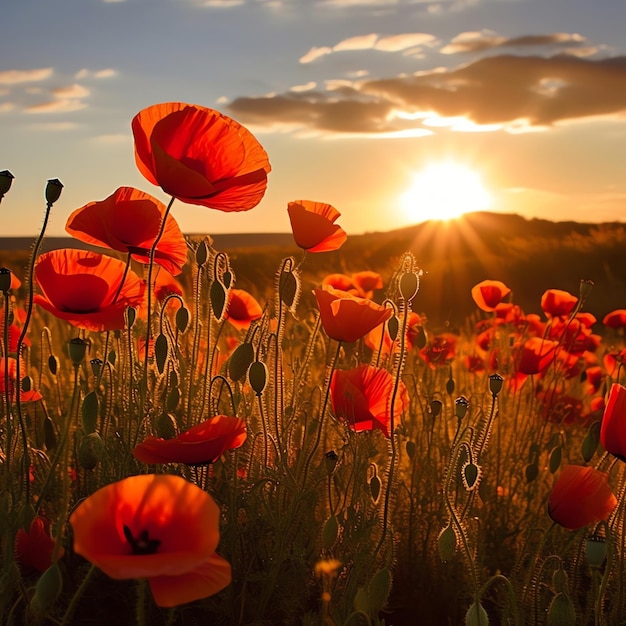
(175, 450)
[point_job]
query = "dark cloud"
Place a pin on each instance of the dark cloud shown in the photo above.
(501, 90)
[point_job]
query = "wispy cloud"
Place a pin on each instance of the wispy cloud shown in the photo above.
(54, 127)
(513, 93)
(306, 87)
(72, 91)
(484, 40)
(113, 138)
(14, 77)
(62, 105)
(372, 41)
(105, 73)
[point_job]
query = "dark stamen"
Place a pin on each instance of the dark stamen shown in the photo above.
(142, 544)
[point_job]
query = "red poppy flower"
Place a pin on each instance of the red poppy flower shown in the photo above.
(489, 293)
(200, 156)
(129, 221)
(535, 355)
(313, 226)
(242, 309)
(33, 549)
(25, 396)
(159, 527)
(201, 444)
(440, 350)
(594, 376)
(560, 408)
(165, 284)
(14, 334)
(615, 319)
(613, 428)
(580, 496)
(343, 282)
(81, 287)
(346, 317)
(362, 396)
(556, 302)
(367, 282)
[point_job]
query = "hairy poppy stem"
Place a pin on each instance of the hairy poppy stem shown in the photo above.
(149, 299)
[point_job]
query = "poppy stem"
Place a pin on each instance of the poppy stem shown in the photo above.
(318, 438)
(149, 299)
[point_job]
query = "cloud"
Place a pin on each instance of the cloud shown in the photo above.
(73, 91)
(105, 73)
(514, 93)
(315, 53)
(372, 41)
(14, 77)
(54, 126)
(222, 4)
(6, 107)
(306, 87)
(113, 139)
(471, 42)
(62, 105)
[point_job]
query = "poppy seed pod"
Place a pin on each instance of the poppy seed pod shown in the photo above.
(461, 406)
(5, 279)
(6, 180)
(495, 384)
(77, 348)
(53, 190)
(331, 459)
(595, 551)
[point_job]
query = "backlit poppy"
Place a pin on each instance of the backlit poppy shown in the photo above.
(580, 496)
(556, 302)
(615, 319)
(489, 293)
(81, 287)
(535, 355)
(346, 317)
(242, 309)
(343, 282)
(200, 156)
(613, 428)
(313, 226)
(440, 350)
(25, 396)
(158, 527)
(33, 549)
(367, 282)
(413, 329)
(14, 334)
(201, 444)
(362, 397)
(129, 221)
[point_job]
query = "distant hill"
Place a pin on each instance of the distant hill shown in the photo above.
(530, 256)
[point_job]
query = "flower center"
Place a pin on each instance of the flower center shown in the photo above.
(142, 544)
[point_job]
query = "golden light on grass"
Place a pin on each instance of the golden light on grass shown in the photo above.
(444, 191)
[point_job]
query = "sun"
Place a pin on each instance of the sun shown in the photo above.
(443, 191)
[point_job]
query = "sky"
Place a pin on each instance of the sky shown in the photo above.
(351, 99)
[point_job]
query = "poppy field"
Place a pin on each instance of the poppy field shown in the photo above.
(176, 450)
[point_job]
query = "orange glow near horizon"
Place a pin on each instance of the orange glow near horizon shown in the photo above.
(444, 191)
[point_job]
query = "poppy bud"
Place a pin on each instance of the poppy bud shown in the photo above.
(90, 451)
(559, 580)
(331, 461)
(131, 316)
(461, 404)
(161, 349)
(202, 253)
(495, 384)
(435, 407)
(393, 327)
(48, 589)
(409, 285)
(6, 180)
(89, 412)
(411, 448)
(595, 551)
(375, 486)
(27, 383)
(53, 190)
(53, 364)
(561, 611)
(240, 360)
(450, 386)
(257, 375)
(77, 348)
(5, 279)
(217, 296)
(96, 366)
(288, 288)
(182, 319)
(446, 542)
(476, 615)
